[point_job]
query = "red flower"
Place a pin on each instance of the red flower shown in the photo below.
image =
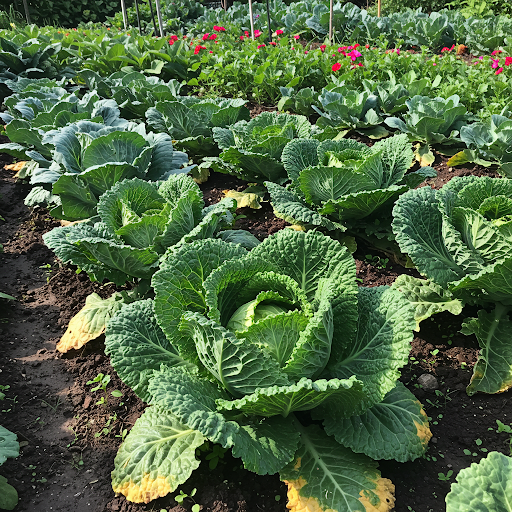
(198, 48)
(206, 36)
(306, 53)
(241, 38)
(296, 37)
(218, 29)
(495, 52)
(360, 64)
(257, 33)
(356, 46)
(367, 46)
(273, 43)
(74, 29)
(336, 66)
(246, 33)
(211, 51)
(323, 47)
(508, 61)
(497, 72)
(260, 46)
(279, 32)
(173, 39)
(213, 36)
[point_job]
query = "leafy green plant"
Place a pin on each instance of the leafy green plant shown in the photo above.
(102, 381)
(236, 342)
(190, 121)
(337, 183)
(488, 143)
(252, 149)
(9, 448)
(483, 483)
(459, 238)
(432, 122)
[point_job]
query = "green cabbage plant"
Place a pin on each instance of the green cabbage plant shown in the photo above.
(337, 183)
(252, 149)
(190, 120)
(9, 448)
(244, 348)
(460, 239)
(137, 222)
(432, 122)
(488, 143)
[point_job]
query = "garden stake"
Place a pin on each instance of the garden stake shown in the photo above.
(251, 19)
(331, 8)
(125, 16)
(27, 14)
(268, 22)
(138, 17)
(152, 14)
(159, 15)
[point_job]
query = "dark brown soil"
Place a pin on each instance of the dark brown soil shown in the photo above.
(70, 441)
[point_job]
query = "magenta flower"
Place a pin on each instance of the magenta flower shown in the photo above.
(508, 61)
(353, 55)
(296, 37)
(497, 72)
(279, 32)
(495, 63)
(261, 46)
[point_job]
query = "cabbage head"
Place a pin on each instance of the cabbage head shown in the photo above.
(244, 349)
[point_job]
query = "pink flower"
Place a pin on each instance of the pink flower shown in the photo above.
(498, 71)
(398, 51)
(206, 36)
(257, 33)
(212, 37)
(481, 57)
(360, 64)
(495, 52)
(306, 52)
(279, 32)
(293, 47)
(241, 38)
(246, 33)
(260, 46)
(353, 55)
(434, 64)
(495, 63)
(218, 29)
(211, 51)
(508, 61)
(296, 37)
(336, 66)
(323, 47)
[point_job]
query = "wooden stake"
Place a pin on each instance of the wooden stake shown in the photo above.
(378, 8)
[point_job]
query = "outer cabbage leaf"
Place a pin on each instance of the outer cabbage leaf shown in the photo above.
(156, 457)
(9, 446)
(381, 346)
(485, 486)
(396, 428)
(493, 370)
(427, 297)
(327, 476)
(137, 346)
(178, 285)
(418, 226)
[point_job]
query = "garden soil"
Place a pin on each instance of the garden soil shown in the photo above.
(69, 440)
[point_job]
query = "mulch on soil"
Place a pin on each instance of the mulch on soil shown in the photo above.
(69, 441)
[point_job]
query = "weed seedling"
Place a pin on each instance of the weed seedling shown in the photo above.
(443, 477)
(102, 382)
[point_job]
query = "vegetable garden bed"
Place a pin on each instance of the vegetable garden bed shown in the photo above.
(191, 291)
(65, 465)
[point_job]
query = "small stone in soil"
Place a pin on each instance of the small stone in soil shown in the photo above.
(428, 382)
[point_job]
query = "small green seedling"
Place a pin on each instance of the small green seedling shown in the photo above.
(102, 382)
(443, 477)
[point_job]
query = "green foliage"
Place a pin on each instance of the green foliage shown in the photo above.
(459, 238)
(244, 339)
(9, 448)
